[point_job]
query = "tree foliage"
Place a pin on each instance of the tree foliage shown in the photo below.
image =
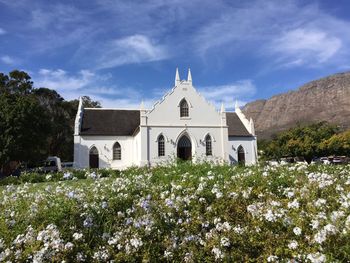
(301, 141)
(338, 144)
(35, 122)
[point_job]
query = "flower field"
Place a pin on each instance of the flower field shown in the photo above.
(179, 213)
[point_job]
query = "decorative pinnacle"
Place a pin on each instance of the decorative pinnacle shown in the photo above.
(222, 107)
(177, 77)
(189, 76)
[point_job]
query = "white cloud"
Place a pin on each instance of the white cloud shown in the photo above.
(300, 46)
(240, 91)
(60, 80)
(88, 83)
(289, 35)
(8, 60)
(129, 50)
(2, 31)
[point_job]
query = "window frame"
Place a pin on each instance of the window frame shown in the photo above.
(161, 145)
(184, 109)
(117, 151)
(208, 145)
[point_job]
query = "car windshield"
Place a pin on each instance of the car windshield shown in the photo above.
(50, 163)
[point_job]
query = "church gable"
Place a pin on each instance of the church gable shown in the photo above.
(183, 105)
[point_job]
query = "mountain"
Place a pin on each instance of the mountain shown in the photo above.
(326, 99)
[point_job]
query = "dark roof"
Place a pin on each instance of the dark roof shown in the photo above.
(127, 122)
(235, 125)
(110, 122)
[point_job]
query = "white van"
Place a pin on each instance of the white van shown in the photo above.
(52, 164)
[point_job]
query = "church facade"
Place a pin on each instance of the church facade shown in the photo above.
(180, 125)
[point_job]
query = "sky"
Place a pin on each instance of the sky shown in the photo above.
(124, 52)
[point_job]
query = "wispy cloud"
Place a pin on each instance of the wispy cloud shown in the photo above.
(228, 94)
(2, 31)
(87, 83)
(60, 80)
(8, 60)
(289, 35)
(131, 49)
(301, 46)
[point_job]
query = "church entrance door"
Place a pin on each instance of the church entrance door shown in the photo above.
(93, 157)
(184, 148)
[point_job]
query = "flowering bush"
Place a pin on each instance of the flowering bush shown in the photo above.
(180, 213)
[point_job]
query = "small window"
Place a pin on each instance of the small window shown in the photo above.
(161, 146)
(184, 108)
(208, 148)
(117, 151)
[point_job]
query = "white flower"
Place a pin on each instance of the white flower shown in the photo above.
(77, 236)
(67, 176)
(297, 231)
(225, 242)
(136, 242)
(293, 244)
(294, 204)
(68, 246)
(314, 223)
(217, 253)
(272, 258)
(316, 258)
(320, 236)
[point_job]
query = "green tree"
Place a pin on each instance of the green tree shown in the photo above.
(24, 126)
(301, 141)
(338, 144)
(35, 123)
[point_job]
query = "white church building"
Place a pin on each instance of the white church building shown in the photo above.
(181, 125)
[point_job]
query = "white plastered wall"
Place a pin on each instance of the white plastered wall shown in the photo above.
(249, 146)
(104, 145)
(203, 119)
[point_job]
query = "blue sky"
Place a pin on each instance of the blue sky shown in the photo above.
(122, 52)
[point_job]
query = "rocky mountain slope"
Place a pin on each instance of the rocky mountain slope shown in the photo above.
(326, 99)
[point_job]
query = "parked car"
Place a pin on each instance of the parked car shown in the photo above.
(52, 164)
(325, 160)
(67, 165)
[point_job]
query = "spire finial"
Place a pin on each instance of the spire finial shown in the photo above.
(189, 76)
(177, 77)
(222, 107)
(236, 105)
(142, 106)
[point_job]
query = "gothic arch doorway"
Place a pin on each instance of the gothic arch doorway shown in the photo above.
(241, 155)
(93, 157)
(184, 148)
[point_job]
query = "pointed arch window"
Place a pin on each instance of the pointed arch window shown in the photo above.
(241, 155)
(184, 108)
(161, 146)
(117, 151)
(208, 146)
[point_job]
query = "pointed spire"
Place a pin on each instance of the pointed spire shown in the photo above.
(222, 108)
(236, 105)
(142, 106)
(177, 77)
(189, 76)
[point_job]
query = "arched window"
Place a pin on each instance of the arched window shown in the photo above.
(184, 108)
(161, 146)
(241, 155)
(208, 148)
(117, 151)
(93, 157)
